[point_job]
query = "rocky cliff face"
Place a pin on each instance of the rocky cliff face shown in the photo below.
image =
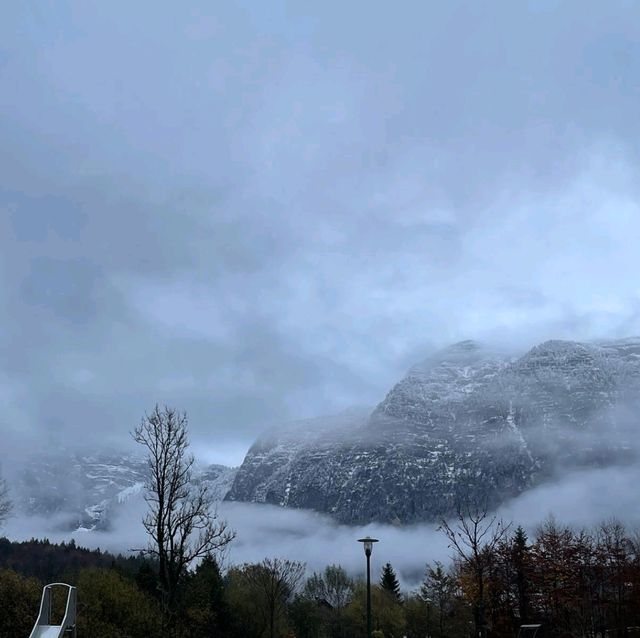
(85, 491)
(467, 423)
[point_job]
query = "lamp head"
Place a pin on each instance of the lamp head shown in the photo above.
(368, 542)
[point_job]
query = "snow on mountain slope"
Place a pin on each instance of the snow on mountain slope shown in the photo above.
(87, 490)
(468, 422)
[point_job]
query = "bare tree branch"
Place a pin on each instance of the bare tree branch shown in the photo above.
(181, 522)
(474, 536)
(274, 581)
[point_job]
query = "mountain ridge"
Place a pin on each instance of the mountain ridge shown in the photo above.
(469, 421)
(84, 492)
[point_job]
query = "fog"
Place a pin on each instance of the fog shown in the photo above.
(580, 499)
(260, 212)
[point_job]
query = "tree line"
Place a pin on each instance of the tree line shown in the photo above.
(576, 582)
(573, 582)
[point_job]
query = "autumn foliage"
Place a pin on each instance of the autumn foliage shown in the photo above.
(574, 582)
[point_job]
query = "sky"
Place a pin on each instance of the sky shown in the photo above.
(266, 211)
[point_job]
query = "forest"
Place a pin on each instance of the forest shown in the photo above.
(576, 582)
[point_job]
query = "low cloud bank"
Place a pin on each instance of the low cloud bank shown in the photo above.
(579, 499)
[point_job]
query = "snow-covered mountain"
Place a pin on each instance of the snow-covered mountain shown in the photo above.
(469, 422)
(85, 491)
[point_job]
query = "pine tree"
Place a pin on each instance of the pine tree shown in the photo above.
(204, 600)
(437, 591)
(389, 582)
(520, 560)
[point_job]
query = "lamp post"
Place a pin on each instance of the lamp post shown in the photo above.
(368, 546)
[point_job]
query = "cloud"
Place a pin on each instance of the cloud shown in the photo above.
(266, 531)
(581, 499)
(266, 214)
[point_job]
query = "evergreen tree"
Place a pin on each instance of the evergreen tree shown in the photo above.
(520, 560)
(437, 591)
(147, 579)
(204, 603)
(389, 582)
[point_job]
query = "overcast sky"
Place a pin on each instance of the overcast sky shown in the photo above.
(260, 211)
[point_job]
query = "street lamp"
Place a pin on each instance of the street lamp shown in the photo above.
(368, 546)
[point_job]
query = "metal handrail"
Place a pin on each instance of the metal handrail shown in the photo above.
(69, 618)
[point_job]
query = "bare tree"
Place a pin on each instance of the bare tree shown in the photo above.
(475, 536)
(273, 582)
(333, 586)
(181, 521)
(5, 501)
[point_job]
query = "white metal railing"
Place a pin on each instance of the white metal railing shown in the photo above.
(43, 627)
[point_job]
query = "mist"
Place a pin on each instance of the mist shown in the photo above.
(264, 215)
(581, 499)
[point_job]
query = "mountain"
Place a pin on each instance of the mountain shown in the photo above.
(468, 423)
(85, 491)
